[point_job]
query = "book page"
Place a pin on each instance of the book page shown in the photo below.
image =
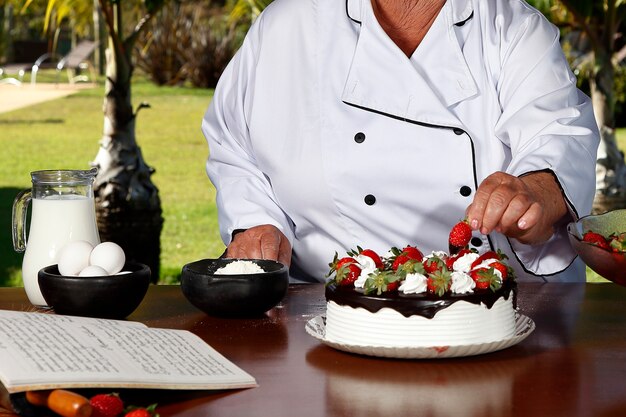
(43, 349)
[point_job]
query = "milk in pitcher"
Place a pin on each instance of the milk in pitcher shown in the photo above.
(55, 221)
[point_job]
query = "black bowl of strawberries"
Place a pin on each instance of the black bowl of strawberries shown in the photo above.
(600, 241)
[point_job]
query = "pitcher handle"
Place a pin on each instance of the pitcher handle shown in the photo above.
(20, 208)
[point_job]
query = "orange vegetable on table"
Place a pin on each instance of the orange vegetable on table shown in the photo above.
(64, 403)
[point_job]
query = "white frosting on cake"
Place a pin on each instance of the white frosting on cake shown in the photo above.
(414, 284)
(464, 263)
(462, 323)
(462, 283)
(367, 266)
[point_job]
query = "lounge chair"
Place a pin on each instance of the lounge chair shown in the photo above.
(13, 73)
(76, 63)
(25, 52)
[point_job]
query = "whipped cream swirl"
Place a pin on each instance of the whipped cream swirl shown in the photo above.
(464, 263)
(414, 284)
(367, 266)
(462, 283)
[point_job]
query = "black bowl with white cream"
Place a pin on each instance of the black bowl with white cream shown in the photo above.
(234, 287)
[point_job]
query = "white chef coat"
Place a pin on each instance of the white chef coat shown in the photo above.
(321, 126)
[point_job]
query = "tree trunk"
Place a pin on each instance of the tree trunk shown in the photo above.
(610, 167)
(128, 206)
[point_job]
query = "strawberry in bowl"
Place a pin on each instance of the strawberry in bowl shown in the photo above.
(599, 240)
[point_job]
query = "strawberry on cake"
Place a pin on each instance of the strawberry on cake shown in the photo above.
(408, 299)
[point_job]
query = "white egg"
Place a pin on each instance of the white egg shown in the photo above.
(74, 257)
(108, 256)
(93, 271)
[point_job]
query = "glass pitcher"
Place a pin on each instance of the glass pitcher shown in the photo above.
(63, 210)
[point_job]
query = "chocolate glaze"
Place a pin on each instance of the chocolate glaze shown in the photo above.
(425, 305)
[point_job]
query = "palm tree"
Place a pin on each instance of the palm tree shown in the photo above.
(597, 25)
(128, 206)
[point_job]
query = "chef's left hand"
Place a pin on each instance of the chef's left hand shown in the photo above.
(525, 208)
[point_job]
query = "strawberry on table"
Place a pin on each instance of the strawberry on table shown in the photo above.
(142, 411)
(106, 405)
(459, 237)
(138, 412)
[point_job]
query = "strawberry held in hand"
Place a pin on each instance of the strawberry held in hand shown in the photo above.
(459, 237)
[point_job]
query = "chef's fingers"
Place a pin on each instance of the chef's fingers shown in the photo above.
(260, 242)
(244, 248)
(276, 246)
(245, 245)
(490, 202)
(536, 229)
(269, 244)
(518, 216)
(284, 252)
(537, 225)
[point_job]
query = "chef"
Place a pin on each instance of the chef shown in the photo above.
(382, 123)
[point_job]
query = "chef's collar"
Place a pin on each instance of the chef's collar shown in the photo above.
(461, 10)
(421, 89)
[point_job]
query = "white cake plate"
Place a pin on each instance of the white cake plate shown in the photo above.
(524, 326)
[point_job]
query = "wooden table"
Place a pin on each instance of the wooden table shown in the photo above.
(574, 364)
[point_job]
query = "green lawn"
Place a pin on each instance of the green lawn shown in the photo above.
(64, 134)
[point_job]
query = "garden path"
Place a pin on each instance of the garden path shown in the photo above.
(14, 97)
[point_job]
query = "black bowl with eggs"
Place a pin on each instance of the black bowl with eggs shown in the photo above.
(111, 296)
(234, 295)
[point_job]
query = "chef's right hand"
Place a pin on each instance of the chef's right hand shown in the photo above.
(261, 242)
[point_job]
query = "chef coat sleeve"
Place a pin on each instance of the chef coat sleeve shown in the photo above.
(549, 125)
(244, 195)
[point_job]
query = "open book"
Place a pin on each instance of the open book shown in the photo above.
(43, 351)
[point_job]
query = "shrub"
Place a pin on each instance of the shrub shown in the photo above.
(188, 42)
